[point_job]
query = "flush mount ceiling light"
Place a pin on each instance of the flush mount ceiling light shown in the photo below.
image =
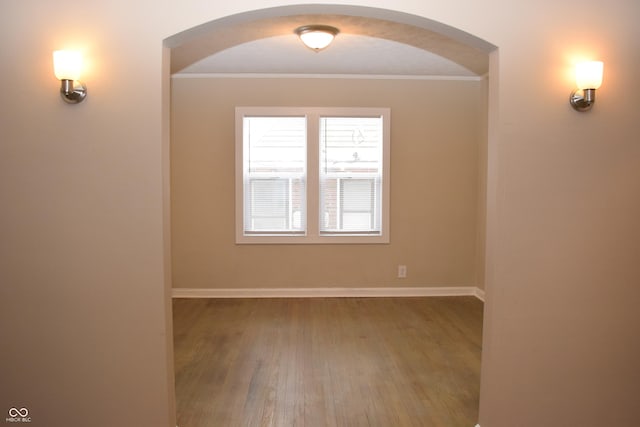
(316, 37)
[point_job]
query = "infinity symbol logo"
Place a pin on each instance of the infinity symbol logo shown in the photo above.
(15, 412)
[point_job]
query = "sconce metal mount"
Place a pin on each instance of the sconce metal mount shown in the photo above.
(582, 99)
(72, 92)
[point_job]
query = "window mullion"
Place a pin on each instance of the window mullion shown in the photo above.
(313, 174)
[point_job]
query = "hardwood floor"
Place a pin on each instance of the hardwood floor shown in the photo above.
(328, 361)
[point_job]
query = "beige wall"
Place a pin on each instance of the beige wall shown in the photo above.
(83, 331)
(82, 301)
(434, 185)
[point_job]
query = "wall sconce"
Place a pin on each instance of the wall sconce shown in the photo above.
(588, 79)
(66, 67)
(316, 37)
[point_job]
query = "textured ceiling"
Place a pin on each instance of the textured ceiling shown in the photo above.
(364, 46)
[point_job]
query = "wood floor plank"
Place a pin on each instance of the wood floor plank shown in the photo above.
(328, 361)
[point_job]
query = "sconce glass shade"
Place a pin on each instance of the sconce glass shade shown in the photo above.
(67, 64)
(588, 79)
(589, 74)
(316, 37)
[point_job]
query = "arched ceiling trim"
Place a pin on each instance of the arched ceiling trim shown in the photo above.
(207, 39)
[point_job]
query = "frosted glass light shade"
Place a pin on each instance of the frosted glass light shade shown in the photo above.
(67, 64)
(589, 74)
(316, 37)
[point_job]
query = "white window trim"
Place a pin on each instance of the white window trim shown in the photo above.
(313, 235)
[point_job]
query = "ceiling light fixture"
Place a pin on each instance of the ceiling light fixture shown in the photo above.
(316, 37)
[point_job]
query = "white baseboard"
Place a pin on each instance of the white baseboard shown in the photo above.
(439, 291)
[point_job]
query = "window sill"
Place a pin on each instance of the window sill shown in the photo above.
(313, 240)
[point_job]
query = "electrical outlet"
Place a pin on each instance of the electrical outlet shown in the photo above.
(402, 272)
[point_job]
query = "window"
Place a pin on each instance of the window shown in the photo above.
(351, 165)
(274, 175)
(312, 175)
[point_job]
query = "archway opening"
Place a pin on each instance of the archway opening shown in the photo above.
(237, 58)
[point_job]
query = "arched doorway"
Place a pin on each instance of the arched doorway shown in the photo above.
(472, 54)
